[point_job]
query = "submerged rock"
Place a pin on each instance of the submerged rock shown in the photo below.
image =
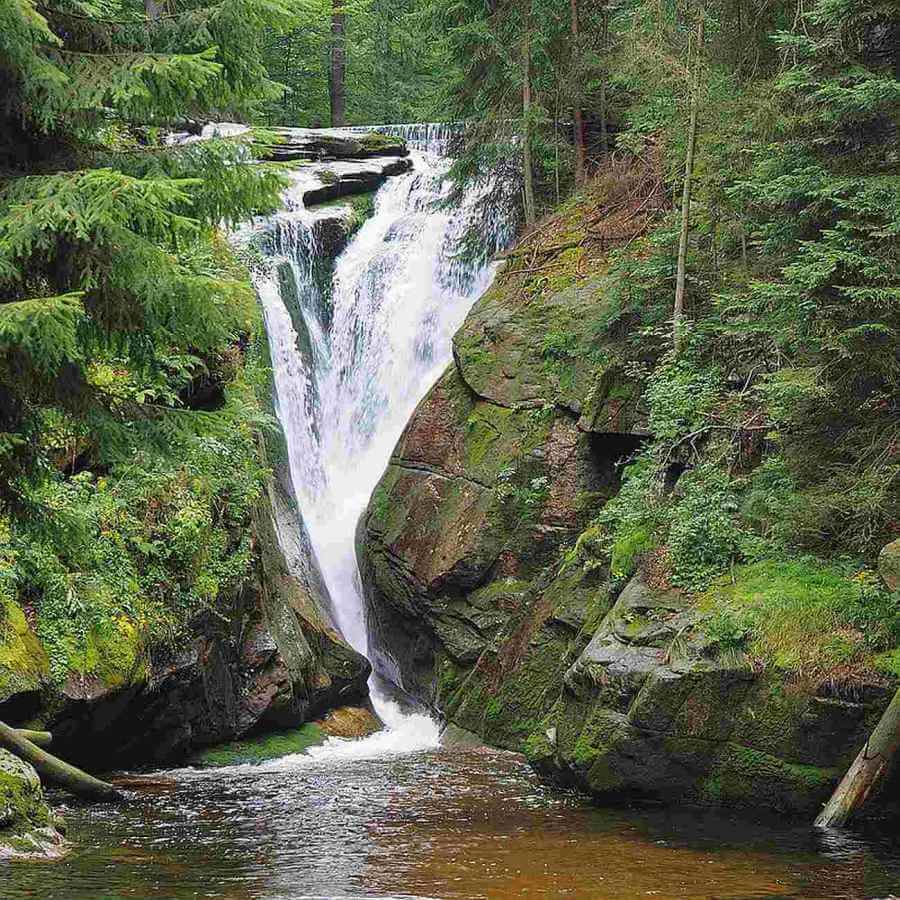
(28, 828)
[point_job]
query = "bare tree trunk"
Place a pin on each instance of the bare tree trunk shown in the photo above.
(678, 314)
(604, 135)
(556, 144)
(578, 116)
(338, 64)
(867, 771)
(54, 769)
(527, 165)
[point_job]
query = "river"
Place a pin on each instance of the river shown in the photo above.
(352, 822)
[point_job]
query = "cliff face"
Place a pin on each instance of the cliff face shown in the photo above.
(266, 656)
(486, 602)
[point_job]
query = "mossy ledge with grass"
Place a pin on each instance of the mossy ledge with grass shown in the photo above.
(629, 566)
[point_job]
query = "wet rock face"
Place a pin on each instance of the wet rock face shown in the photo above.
(28, 829)
(476, 503)
(475, 610)
(494, 476)
(268, 657)
(643, 711)
(348, 178)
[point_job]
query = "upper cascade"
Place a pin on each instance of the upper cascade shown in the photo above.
(357, 342)
(428, 137)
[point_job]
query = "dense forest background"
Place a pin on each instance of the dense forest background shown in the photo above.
(731, 166)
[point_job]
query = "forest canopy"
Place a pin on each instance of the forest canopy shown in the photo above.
(740, 163)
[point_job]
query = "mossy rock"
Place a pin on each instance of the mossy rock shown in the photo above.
(350, 722)
(261, 749)
(24, 666)
(27, 826)
(512, 350)
(742, 776)
(113, 655)
(376, 143)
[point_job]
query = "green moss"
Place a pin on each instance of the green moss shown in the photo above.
(23, 662)
(888, 662)
(379, 505)
(537, 746)
(111, 651)
(262, 748)
(802, 614)
(22, 806)
(485, 430)
(626, 551)
(476, 359)
(376, 142)
(361, 208)
(744, 776)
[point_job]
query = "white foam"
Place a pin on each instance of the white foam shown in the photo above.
(401, 289)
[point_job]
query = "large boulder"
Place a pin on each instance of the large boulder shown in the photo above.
(28, 828)
(482, 606)
(267, 657)
(644, 710)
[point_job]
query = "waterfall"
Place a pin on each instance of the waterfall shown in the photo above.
(350, 368)
(432, 138)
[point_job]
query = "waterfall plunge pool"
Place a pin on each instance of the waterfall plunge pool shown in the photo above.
(437, 823)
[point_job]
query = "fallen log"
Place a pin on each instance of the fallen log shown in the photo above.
(56, 770)
(40, 738)
(867, 771)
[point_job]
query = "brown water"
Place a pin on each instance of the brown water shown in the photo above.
(433, 824)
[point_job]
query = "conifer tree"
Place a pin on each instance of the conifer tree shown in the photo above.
(104, 226)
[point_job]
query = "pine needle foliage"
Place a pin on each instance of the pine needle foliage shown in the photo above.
(129, 422)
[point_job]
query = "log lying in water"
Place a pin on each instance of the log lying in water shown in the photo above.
(867, 771)
(54, 769)
(39, 738)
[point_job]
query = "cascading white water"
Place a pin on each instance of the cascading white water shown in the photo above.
(347, 387)
(427, 137)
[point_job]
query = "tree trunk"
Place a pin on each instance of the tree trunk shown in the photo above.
(578, 115)
(527, 165)
(53, 769)
(38, 738)
(154, 8)
(678, 314)
(604, 135)
(556, 146)
(867, 771)
(338, 64)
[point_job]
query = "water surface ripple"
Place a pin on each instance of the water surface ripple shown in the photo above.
(430, 824)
